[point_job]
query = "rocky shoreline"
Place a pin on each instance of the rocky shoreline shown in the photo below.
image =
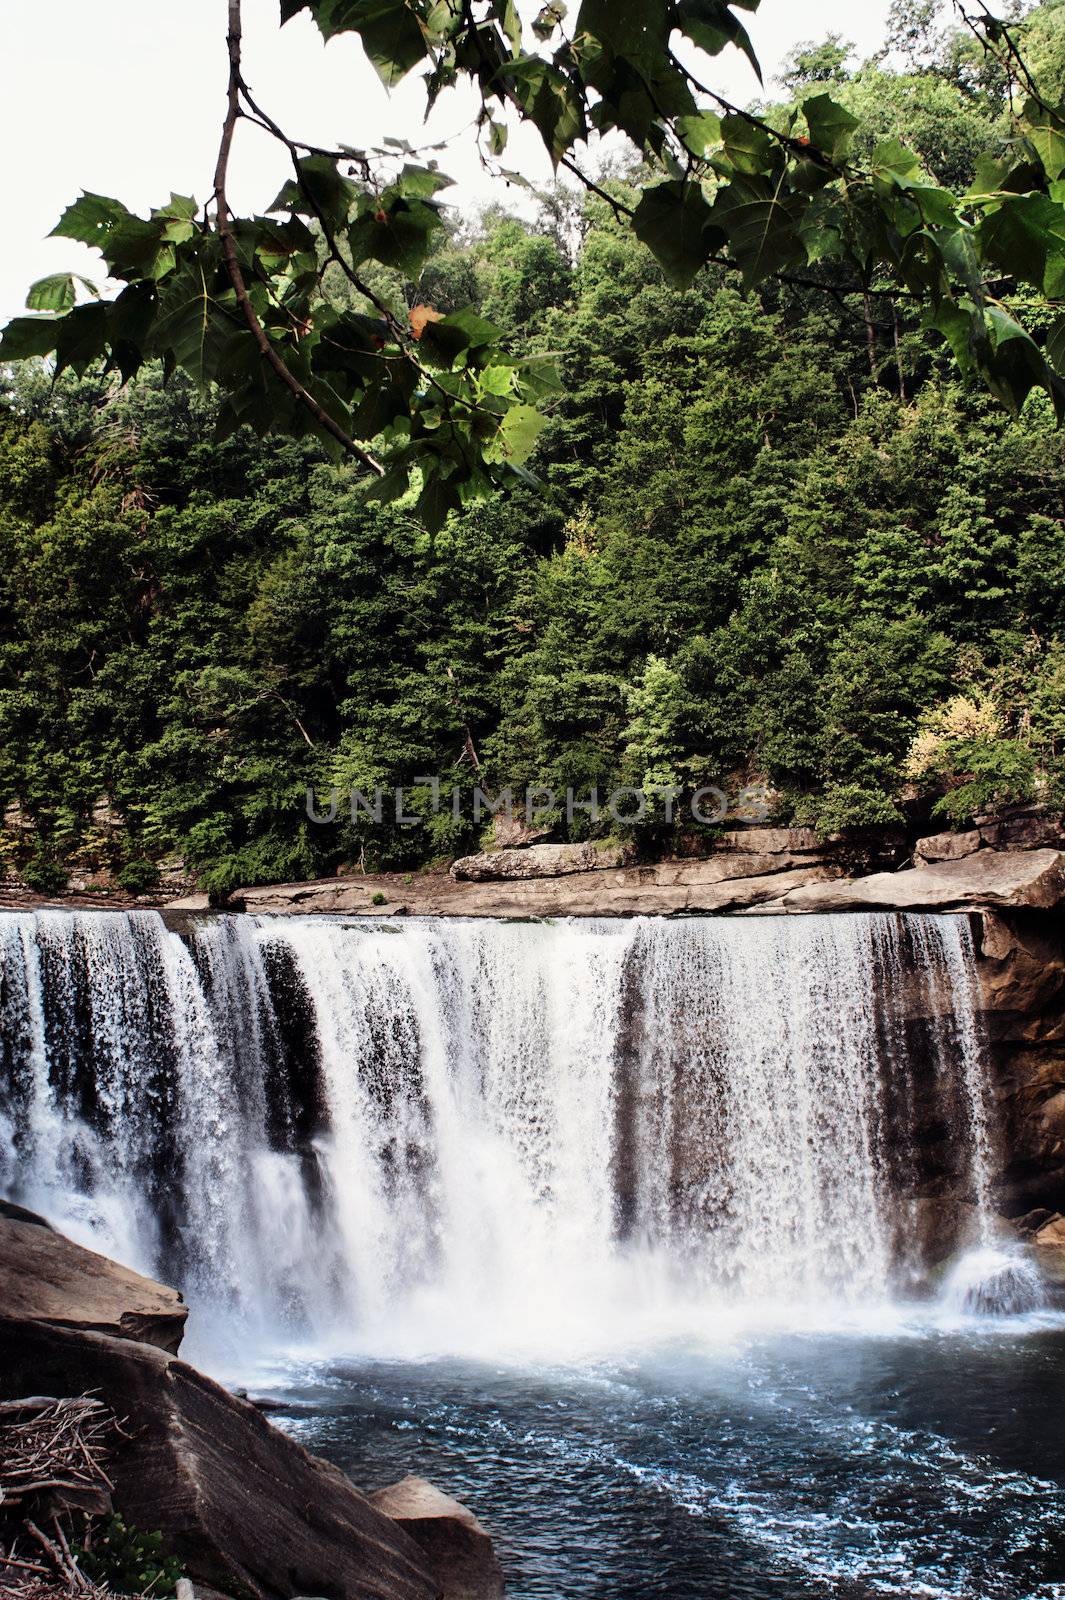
(248, 1513)
(1010, 863)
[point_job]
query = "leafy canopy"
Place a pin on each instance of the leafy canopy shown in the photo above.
(442, 403)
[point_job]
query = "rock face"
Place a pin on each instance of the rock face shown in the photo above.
(946, 847)
(457, 1549)
(47, 1278)
(1031, 879)
(246, 1509)
(670, 888)
(758, 870)
(1025, 829)
(1021, 968)
(536, 861)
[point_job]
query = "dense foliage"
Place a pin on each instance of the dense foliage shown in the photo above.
(283, 316)
(779, 539)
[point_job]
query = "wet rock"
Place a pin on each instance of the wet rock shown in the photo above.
(1021, 967)
(46, 1277)
(458, 1550)
(946, 847)
(247, 1511)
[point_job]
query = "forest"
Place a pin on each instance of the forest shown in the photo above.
(772, 537)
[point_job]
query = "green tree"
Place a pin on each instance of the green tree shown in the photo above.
(442, 407)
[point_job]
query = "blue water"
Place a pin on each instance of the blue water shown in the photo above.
(916, 1464)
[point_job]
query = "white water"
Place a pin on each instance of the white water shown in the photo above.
(430, 1135)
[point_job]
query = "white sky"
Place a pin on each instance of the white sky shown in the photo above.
(125, 97)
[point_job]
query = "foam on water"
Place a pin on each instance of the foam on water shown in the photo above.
(994, 1281)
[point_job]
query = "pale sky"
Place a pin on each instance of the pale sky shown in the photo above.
(125, 98)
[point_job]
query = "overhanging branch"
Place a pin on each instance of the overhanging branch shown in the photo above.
(236, 275)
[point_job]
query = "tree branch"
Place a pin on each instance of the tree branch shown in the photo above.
(232, 260)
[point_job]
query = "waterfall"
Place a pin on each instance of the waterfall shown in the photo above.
(395, 1133)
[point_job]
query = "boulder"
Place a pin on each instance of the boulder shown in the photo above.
(458, 1551)
(45, 1277)
(245, 1508)
(536, 861)
(511, 833)
(946, 847)
(1052, 1233)
(14, 1213)
(1031, 879)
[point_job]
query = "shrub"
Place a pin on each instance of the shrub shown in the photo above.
(138, 877)
(994, 774)
(128, 1561)
(846, 805)
(46, 877)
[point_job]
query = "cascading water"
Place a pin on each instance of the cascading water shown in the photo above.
(429, 1135)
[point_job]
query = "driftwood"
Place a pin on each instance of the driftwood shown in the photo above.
(52, 1454)
(49, 1448)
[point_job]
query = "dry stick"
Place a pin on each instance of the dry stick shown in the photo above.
(233, 267)
(54, 1553)
(1013, 51)
(68, 1558)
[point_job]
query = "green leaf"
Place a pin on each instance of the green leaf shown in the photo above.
(397, 232)
(90, 219)
(129, 322)
(1055, 346)
(548, 18)
(421, 183)
(629, 28)
(1050, 147)
(711, 25)
(831, 127)
(990, 177)
(437, 498)
(518, 433)
(957, 325)
(475, 329)
(190, 328)
(698, 133)
(392, 486)
(29, 336)
(321, 191)
(55, 293)
(389, 30)
(675, 223)
(762, 223)
(747, 148)
(81, 338)
(178, 218)
(893, 160)
(550, 100)
(1025, 236)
